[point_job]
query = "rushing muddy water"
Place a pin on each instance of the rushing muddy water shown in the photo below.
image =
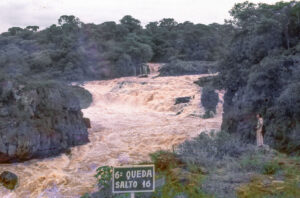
(131, 117)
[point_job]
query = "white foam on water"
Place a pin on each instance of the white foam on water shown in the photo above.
(131, 117)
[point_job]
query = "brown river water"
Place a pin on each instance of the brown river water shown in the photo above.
(131, 117)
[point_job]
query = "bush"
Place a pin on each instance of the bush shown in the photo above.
(209, 150)
(164, 160)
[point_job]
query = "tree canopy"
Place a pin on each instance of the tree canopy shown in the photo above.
(74, 50)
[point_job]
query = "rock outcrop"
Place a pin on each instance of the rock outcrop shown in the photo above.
(9, 180)
(182, 100)
(38, 120)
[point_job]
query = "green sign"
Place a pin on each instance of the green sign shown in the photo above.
(133, 179)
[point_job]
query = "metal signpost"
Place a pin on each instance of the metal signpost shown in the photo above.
(131, 179)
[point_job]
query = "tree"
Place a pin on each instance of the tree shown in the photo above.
(32, 28)
(132, 24)
(72, 20)
(15, 30)
(168, 23)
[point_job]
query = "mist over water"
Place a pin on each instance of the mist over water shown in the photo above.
(131, 117)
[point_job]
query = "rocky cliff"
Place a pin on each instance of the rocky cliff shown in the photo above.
(38, 120)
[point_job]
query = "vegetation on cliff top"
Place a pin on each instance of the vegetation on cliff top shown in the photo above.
(260, 73)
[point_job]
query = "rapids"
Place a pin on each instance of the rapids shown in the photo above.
(131, 117)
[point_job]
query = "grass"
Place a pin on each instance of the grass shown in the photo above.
(280, 179)
(270, 168)
(220, 165)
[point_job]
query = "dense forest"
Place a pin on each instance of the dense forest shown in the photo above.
(72, 50)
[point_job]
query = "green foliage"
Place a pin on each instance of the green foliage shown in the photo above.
(254, 162)
(225, 160)
(104, 176)
(165, 160)
(186, 41)
(178, 181)
(73, 50)
(86, 195)
(270, 168)
(209, 150)
(275, 185)
(131, 24)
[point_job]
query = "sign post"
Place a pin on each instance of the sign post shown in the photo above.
(131, 179)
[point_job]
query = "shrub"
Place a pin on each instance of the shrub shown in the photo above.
(209, 150)
(164, 160)
(270, 168)
(104, 176)
(179, 179)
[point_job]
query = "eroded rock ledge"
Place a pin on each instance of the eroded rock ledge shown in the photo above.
(38, 120)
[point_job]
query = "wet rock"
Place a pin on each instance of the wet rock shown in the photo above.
(9, 180)
(143, 76)
(179, 112)
(87, 122)
(182, 100)
(38, 120)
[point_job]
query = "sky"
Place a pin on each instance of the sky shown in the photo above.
(43, 13)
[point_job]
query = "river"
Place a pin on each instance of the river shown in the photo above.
(130, 117)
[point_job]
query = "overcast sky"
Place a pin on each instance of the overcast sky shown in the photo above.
(43, 13)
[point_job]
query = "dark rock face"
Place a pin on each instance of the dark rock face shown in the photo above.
(182, 100)
(9, 180)
(143, 76)
(209, 99)
(38, 120)
(236, 117)
(87, 123)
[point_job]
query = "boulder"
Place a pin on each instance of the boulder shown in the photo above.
(39, 120)
(182, 100)
(9, 180)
